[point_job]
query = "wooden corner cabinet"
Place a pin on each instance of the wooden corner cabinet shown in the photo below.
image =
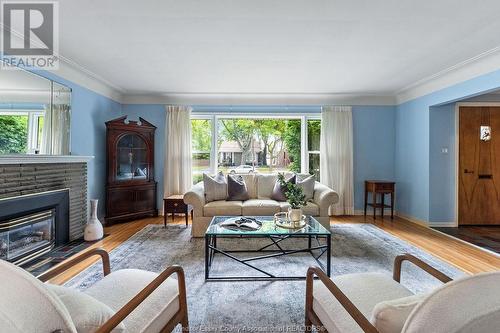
(130, 187)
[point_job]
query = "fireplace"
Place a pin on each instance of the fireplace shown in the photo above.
(32, 225)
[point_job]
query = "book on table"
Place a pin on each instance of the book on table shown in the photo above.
(242, 223)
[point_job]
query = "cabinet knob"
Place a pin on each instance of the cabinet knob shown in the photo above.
(175, 204)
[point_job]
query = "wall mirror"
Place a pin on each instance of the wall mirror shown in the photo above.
(35, 114)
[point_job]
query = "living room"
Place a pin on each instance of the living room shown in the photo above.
(249, 166)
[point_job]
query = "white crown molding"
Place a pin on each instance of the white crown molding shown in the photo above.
(38, 159)
(258, 99)
(481, 64)
(75, 73)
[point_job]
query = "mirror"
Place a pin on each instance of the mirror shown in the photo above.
(35, 114)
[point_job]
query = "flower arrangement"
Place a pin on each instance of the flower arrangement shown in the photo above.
(293, 193)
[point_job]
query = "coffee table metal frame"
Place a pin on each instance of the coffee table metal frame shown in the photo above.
(318, 240)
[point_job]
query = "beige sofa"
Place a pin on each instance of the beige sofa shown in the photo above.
(260, 187)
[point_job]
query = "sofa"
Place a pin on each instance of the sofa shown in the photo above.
(260, 187)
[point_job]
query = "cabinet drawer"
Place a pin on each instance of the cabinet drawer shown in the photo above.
(383, 187)
(175, 206)
(145, 199)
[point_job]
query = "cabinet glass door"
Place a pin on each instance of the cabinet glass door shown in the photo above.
(132, 158)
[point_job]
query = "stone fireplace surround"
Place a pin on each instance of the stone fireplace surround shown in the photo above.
(27, 174)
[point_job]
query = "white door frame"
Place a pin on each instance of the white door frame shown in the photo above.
(457, 146)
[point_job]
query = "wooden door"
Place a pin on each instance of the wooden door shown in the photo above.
(479, 167)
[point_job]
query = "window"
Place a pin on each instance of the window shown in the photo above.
(245, 144)
(313, 142)
(21, 131)
(201, 131)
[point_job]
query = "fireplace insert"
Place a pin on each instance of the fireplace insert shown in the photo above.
(33, 224)
(26, 237)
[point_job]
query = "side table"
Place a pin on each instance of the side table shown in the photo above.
(174, 204)
(381, 187)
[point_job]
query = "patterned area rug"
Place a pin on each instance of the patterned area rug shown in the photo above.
(261, 306)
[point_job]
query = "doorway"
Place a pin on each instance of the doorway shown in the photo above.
(479, 165)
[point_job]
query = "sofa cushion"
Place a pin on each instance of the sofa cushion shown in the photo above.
(251, 182)
(307, 186)
(87, 313)
(222, 207)
(390, 316)
(265, 185)
(279, 189)
(365, 290)
(260, 207)
(236, 188)
(119, 287)
(215, 187)
(310, 209)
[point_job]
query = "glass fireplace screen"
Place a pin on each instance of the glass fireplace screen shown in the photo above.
(28, 236)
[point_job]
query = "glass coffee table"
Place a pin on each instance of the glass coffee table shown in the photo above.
(315, 241)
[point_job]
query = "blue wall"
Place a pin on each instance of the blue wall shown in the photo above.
(89, 111)
(442, 177)
(374, 135)
(413, 153)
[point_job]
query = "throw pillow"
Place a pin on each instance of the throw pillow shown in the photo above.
(390, 316)
(307, 186)
(215, 187)
(87, 313)
(279, 191)
(236, 188)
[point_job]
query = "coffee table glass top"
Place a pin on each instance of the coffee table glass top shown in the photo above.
(313, 227)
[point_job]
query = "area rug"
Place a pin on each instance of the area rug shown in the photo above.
(261, 306)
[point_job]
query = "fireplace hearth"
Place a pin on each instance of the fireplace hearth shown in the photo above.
(32, 225)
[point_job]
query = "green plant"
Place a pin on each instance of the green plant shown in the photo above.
(293, 193)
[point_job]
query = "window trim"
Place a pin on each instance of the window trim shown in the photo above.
(216, 116)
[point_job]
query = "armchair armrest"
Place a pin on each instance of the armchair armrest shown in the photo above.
(353, 311)
(419, 263)
(181, 315)
(324, 197)
(196, 198)
(79, 258)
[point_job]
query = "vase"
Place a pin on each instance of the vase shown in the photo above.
(93, 230)
(294, 214)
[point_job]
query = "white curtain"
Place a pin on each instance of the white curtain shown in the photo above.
(177, 174)
(56, 129)
(336, 156)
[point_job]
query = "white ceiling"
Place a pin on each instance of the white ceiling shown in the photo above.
(274, 46)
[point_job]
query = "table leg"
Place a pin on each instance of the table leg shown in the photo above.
(366, 199)
(374, 202)
(207, 237)
(392, 205)
(164, 214)
(187, 214)
(382, 211)
(173, 214)
(328, 254)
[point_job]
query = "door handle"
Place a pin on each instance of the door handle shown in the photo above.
(468, 171)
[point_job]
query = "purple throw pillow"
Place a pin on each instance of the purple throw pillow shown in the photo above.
(279, 191)
(236, 188)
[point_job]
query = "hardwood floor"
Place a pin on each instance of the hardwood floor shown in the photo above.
(458, 253)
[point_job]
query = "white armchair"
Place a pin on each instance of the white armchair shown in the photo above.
(128, 300)
(372, 302)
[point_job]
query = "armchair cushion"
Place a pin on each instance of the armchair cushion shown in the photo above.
(119, 287)
(87, 313)
(365, 290)
(390, 316)
(26, 305)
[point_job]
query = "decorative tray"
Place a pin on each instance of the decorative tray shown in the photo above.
(282, 221)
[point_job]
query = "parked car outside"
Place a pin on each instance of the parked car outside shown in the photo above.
(242, 169)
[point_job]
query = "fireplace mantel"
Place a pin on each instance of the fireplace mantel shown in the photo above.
(38, 159)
